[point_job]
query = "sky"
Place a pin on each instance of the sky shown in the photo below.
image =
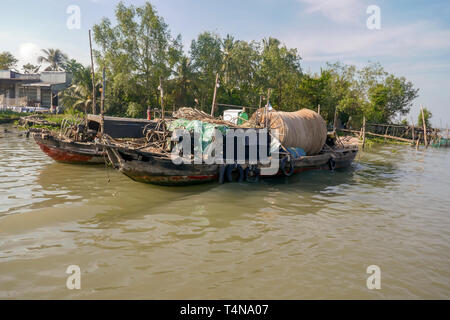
(413, 39)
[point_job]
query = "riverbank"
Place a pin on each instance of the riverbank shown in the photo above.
(10, 116)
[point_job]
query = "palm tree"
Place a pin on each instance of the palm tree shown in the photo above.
(184, 76)
(228, 63)
(79, 94)
(54, 57)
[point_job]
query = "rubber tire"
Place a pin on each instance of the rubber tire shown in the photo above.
(230, 170)
(222, 171)
(254, 169)
(291, 167)
(332, 164)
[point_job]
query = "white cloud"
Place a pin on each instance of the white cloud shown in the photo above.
(28, 53)
(336, 10)
(422, 38)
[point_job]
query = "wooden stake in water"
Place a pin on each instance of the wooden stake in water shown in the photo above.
(424, 128)
(364, 132)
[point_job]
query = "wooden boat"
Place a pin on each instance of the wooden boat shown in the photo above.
(157, 168)
(86, 150)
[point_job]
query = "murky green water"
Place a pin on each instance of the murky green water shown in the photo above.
(311, 236)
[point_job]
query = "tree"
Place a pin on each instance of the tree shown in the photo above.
(137, 53)
(7, 61)
(30, 68)
(427, 115)
(370, 92)
(280, 70)
(54, 57)
(182, 85)
(206, 57)
(73, 67)
(79, 94)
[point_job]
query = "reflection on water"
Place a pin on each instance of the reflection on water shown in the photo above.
(310, 236)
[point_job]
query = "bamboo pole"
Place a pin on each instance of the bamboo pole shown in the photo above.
(318, 109)
(102, 101)
(93, 73)
(364, 132)
(379, 135)
(425, 134)
(215, 95)
(161, 90)
(413, 129)
(335, 119)
(267, 109)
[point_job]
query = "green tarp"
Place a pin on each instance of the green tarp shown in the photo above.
(204, 130)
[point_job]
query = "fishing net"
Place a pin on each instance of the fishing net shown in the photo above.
(304, 129)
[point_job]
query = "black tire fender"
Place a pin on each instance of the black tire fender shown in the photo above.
(291, 166)
(255, 170)
(222, 174)
(332, 164)
(233, 167)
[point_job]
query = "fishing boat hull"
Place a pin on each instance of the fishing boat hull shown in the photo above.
(65, 150)
(156, 169)
(69, 151)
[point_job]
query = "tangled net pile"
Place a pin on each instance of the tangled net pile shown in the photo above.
(195, 114)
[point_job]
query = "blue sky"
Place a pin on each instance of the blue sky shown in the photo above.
(414, 39)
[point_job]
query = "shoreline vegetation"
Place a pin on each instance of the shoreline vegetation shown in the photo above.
(151, 72)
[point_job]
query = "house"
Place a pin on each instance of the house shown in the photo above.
(22, 92)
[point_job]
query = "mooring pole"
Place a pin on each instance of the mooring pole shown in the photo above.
(102, 101)
(93, 74)
(266, 118)
(364, 132)
(335, 120)
(424, 128)
(215, 94)
(161, 89)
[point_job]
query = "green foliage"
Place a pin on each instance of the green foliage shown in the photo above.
(427, 115)
(55, 58)
(79, 95)
(7, 60)
(138, 53)
(369, 92)
(135, 110)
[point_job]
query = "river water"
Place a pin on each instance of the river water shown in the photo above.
(308, 237)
